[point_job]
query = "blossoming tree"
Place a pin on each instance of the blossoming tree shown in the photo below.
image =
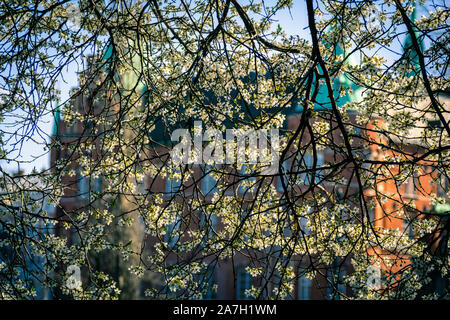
(360, 98)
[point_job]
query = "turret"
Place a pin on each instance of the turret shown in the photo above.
(409, 50)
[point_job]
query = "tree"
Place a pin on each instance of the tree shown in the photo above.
(360, 195)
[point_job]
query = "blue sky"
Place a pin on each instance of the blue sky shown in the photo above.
(33, 151)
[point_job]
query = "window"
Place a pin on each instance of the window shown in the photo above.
(443, 187)
(87, 185)
(304, 224)
(172, 234)
(210, 278)
(173, 185)
(243, 282)
(336, 285)
(371, 214)
(209, 224)
(307, 162)
(435, 125)
(209, 184)
(71, 129)
(302, 163)
(245, 179)
(96, 184)
(408, 226)
(88, 125)
(141, 187)
(304, 286)
(410, 188)
(83, 186)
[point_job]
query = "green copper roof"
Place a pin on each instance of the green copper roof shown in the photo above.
(107, 57)
(108, 53)
(442, 208)
(56, 120)
(323, 100)
(410, 51)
